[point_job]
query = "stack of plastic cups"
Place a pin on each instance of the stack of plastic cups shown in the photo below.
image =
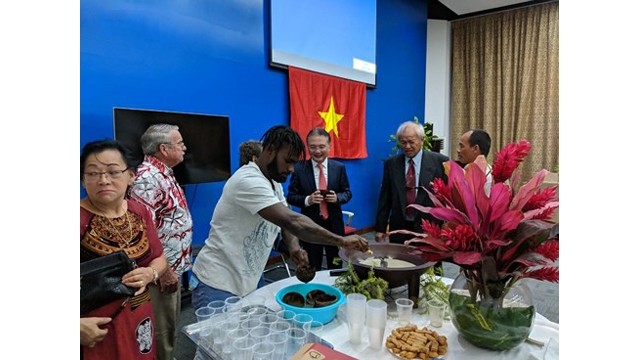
(214, 339)
(297, 337)
(280, 340)
(376, 322)
(314, 327)
(263, 351)
(356, 315)
(233, 304)
(242, 348)
(230, 331)
(203, 315)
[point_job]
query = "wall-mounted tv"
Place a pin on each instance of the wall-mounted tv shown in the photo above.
(206, 136)
(334, 37)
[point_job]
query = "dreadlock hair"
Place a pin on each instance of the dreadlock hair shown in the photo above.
(281, 135)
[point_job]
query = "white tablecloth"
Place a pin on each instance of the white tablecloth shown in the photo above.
(336, 332)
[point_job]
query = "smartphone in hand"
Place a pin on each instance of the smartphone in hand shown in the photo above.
(324, 193)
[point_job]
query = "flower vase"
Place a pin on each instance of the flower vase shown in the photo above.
(499, 316)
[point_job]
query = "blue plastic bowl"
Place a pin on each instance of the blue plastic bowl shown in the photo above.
(323, 314)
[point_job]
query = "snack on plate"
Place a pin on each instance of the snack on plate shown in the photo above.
(409, 342)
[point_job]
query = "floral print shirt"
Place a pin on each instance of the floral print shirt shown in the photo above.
(156, 188)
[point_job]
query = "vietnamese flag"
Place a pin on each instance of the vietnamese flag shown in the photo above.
(333, 103)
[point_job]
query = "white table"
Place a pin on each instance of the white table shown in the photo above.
(336, 332)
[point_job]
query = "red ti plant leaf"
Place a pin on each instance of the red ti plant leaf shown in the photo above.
(529, 234)
(477, 179)
(499, 201)
(467, 257)
(527, 190)
(462, 195)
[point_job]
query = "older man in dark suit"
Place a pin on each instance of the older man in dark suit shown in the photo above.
(402, 181)
(319, 186)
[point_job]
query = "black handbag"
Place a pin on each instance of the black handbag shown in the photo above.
(101, 280)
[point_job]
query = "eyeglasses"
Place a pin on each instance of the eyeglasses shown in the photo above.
(179, 143)
(111, 174)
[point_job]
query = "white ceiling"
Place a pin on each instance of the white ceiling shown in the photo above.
(462, 7)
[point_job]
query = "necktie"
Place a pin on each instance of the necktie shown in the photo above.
(322, 185)
(410, 181)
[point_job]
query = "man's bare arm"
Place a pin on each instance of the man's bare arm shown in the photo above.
(303, 227)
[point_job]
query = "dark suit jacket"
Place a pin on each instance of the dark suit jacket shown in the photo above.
(303, 184)
(392, 201)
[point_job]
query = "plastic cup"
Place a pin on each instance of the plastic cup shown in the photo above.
(204, 313)
(376, 322)
(280, 341)
(297, 338)
(356, 315)
(268, 319)
(250, 323)
(263, 351)
(314, 327)
(286, 314)
(242, 348)
(260, 333)
(280, 326)
(436, 312)
(300, 320)
(230, 337)
(217, 306)
(213, 332)
(404, 307)
(233, 304)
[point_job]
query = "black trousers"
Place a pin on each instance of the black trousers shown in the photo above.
(316, 253)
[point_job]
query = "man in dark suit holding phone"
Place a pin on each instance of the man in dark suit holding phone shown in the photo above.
(319, 186)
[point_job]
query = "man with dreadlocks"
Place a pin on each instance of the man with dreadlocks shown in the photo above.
(247, 219)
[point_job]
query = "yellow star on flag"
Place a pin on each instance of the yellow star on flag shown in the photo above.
(331, 118)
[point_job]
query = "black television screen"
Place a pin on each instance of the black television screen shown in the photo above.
(334, 37)
(207, 158)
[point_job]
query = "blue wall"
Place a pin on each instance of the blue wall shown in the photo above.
(212, 57)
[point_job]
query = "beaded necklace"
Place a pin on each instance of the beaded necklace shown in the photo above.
(123, 240)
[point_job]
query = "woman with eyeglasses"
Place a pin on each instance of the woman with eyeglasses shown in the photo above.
(123, 328)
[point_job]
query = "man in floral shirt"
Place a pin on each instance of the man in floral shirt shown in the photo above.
(156, 187)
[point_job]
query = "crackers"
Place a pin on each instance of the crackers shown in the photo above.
(410, 342)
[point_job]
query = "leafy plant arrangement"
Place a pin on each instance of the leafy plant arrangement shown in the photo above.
(497, 239)
(433, 287)
(426, 143)
(372, 287)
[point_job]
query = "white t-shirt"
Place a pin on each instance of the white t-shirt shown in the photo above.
(240, 240)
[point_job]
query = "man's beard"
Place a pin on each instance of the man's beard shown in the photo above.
(272, 169)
